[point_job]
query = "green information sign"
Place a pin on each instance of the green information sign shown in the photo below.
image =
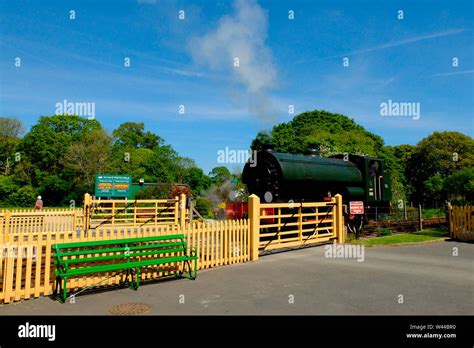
(110, 185)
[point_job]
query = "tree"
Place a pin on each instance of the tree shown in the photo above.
(86, 158)
(219, 175)
(10, 127)
(49, 139)
(203, 206)
(133, 135)
(459, 186)
(396, 158)
(441, 153)
(10, 130)
(434, 187)
(197, 180)
(330, 133)
(261, 139)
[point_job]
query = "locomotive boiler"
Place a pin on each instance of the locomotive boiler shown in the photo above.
(284, 177)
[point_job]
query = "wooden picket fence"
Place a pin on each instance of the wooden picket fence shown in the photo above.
(461, 222)
(100, 212)
(26, 268)
(46, 220)
(26, 257)
(284, 225)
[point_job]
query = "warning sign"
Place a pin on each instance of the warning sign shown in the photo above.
(356, 207)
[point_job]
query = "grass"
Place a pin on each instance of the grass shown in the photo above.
(433, 212)
(403, 238)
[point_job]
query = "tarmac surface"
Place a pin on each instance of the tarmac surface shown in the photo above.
(422, 279)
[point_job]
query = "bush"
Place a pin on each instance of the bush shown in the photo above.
(7, 188)
(159, 191)
(23, 197)
(203, 206)
(385, 232)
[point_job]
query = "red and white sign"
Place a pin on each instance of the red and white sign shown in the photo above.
(356, 207)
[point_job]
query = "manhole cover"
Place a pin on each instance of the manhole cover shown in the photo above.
(130, 309)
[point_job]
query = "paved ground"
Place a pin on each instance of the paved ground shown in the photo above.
(430, 278)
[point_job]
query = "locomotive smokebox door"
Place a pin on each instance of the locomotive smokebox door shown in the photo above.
(356, 207)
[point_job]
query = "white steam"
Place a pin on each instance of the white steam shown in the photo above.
(241, 35)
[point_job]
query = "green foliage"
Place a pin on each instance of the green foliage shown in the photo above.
(133, 135)
(330, 133)
(334, 134)
(219, 175)
(15, 195)
(10, 129)
(7, 187)
(435, 158)
(459, 186)
(420, 173)
(197, 180)
(402, 238)
(160, 191)
(23, 197)
(203, 206)
(61, 154)
(385, 232)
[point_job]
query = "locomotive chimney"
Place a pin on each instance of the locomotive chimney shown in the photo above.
(268, 147)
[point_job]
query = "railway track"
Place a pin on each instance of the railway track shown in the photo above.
(400, 226)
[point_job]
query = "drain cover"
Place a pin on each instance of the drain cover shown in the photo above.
(130, 309)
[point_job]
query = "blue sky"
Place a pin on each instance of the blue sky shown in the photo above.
(282, 62)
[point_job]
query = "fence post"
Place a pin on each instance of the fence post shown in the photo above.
(339, 220)
(86, 211)
(449, 220)
(7, 271)
(182, 211)
(254, 220)
(6, 231)
(420, 219)
(176, 210)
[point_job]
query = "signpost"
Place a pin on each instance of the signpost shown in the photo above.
(356, 207)
(110, 185)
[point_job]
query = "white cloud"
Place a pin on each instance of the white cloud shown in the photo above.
(464, 72)
(241, 35)
(391, 44)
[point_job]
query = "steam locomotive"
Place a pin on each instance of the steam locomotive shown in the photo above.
(283, 177)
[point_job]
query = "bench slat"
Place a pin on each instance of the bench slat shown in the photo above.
(117, 241)
(123, 266)
(127, 254)
(110, 250)
(121, 256)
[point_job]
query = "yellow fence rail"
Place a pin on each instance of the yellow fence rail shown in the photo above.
(101, 212)
(51, 220)
(26, 258)
(461, 222)
(26, 268)
(283, 225)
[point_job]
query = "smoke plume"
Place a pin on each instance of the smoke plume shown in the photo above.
(241, 35)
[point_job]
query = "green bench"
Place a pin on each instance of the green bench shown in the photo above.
(121, 255)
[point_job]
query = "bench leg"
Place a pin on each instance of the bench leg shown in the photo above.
(64, 292)
(137, 279)
(191, 273)
(125, 280)
(58, 288)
